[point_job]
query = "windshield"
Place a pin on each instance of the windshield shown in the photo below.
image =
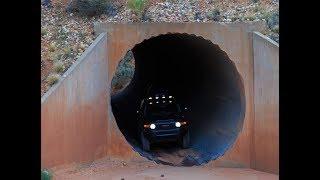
(162, 111)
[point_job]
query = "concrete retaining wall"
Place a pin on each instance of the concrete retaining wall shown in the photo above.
(266, 100)
(77, 122)
(74, 111)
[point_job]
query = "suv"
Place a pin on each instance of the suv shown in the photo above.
(161, 119)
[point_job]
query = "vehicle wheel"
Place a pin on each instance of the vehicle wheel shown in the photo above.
(145, 143)
(186, 140)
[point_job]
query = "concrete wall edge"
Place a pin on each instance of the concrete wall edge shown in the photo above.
(266, 38)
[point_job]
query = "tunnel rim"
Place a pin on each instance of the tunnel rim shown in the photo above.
(240, 82)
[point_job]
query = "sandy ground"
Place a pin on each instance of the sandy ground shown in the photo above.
(141, 169)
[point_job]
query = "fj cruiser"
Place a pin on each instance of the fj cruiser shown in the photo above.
(161, 119)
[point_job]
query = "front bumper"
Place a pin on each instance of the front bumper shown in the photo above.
(165, 131)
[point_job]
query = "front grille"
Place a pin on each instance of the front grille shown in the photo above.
(166, 127)
(165, 124)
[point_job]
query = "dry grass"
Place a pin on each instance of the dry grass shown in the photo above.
(58, 67)
(52, 47)
(137, 6)
(53, 79)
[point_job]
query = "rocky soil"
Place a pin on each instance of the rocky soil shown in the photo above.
(66, 34)
(64, 37)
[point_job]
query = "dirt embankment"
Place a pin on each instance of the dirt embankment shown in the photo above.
(65, 35)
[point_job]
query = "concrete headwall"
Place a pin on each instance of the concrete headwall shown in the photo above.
(78, 124)
(234, 39)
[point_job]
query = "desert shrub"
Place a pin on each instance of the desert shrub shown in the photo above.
(275, 29)
(275, 37)
(250, 18)
(265, 14)
(258, 8)
(68, 52)
(138, 6)
(53, 79)
(120, 84)
(92, 7)
(234, 18)
(45, 175)
(58, 67)
(126, 66)
(62, 34)
(44, 32)
(214, 15)
(46, 3)
(273, 19)
(56, 56)
(198, 16)
(52, 47)
(124, 73)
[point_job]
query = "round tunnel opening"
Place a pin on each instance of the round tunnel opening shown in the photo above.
(204, 82)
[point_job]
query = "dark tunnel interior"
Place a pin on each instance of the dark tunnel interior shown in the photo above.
(202, 78)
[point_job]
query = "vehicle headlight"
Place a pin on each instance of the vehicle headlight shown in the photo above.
(152, 126)
(178, 124)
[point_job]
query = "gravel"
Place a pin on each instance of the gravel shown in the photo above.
(64, 37)
(65, 34)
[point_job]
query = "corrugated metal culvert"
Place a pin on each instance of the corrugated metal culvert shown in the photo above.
(202, 78)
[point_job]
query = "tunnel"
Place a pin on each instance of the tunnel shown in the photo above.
(203, 79)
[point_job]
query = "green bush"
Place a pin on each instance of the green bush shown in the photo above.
(124, 73)
(214, 15)
(258, 8)
(250, 18)
(138, 6)
(52, 47)
(68, 52)
(234, 18)
(43, 32)
(62, 35)
(53, 79)
(89, 7)
(58, 67)
(56, 56)
(46, 175)
(273, 19)
(275, 29)
(265, 14)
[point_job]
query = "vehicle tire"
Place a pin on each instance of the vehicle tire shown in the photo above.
(145, 142)
(186, 140)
